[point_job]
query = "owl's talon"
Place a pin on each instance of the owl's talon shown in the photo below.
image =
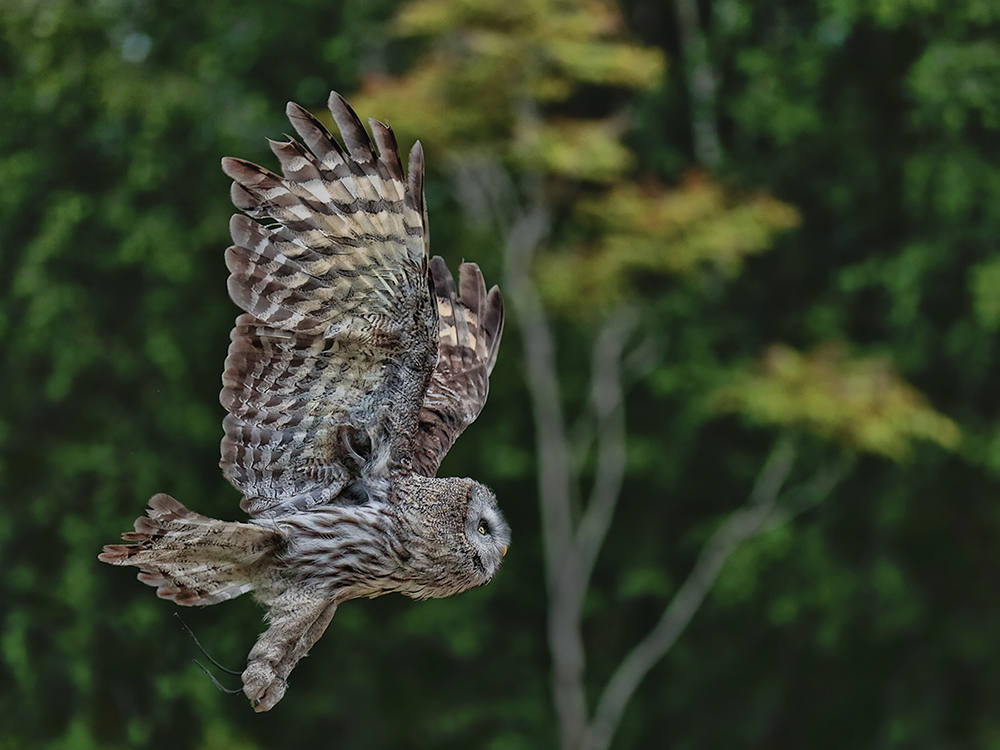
(263, 687)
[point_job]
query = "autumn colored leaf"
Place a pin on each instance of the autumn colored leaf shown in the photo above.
(860, 402)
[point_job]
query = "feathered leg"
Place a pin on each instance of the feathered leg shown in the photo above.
(298, 617)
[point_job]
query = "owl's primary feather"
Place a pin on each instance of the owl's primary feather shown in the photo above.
(339, 338)
(351, 373)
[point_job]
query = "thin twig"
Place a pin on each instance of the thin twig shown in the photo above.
(808, 495)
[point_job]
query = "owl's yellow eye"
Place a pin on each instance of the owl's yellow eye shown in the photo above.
(482, 528)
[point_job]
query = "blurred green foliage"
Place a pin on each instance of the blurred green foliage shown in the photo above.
(874, 125)
(635, 230)
(860, 402)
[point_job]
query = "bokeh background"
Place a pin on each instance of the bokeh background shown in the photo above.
(760, 237)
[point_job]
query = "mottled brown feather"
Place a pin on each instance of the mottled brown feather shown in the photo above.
(470, 324)
(340, 332)
(189, 558)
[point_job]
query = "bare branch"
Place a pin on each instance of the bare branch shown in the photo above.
(741, 525)
(607, 398)
(809, 494)
(701, 85)
(487, 194)
(554, 484)
(484, 191)
(773, 474)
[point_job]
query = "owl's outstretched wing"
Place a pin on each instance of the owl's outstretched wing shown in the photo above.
(328, 366)
(470, 325)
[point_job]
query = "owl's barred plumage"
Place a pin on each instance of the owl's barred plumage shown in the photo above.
(355, 366)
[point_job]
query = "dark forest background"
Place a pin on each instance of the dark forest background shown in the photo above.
(798, 205)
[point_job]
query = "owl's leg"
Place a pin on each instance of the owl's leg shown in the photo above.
(298, 618)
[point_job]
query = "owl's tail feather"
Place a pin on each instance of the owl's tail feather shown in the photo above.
(190, 558)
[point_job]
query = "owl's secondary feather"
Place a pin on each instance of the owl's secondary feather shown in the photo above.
(470, 324)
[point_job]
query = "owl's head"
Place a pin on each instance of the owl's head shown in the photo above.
(456, 533)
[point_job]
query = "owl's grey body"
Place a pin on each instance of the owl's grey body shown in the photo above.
(353, 370)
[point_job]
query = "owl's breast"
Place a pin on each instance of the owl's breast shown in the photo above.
(358, 551)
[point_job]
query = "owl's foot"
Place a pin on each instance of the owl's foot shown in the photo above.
(298, 618)
(263, 686)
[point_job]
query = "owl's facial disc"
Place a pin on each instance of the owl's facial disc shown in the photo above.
(487, 531)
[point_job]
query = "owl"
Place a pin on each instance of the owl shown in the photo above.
(352, 370)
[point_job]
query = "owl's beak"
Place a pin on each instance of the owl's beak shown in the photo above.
(504, 553)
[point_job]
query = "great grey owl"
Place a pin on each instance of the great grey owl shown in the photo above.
(353, 370)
